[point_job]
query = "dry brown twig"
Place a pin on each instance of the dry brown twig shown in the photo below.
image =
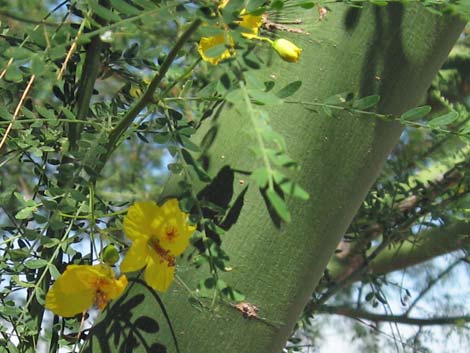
(4, 71)
(17, 110)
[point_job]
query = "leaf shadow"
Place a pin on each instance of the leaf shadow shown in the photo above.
(277, 221)
(119, 329)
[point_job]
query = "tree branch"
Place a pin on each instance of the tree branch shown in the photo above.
(91, 69)
(386, 258)
(405, 213)
(147, 97)
(432, 243)
(399, 319)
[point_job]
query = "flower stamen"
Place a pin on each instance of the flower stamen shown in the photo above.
(164, 254)
(101, 297)
(171, 233)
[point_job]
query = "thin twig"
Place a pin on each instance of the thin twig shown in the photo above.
(147, 97)
(67, 58)
(400, 319)
(7, 66)
(431, 284)
(79, 331)
(17, 110)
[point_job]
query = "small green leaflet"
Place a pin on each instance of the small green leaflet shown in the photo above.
(124, 8)
(103, 12)
(444, 120)
(289, 90)
(18, 53)
(260, 97)
(261, 177)
(26, 212)
(278, 204)
(415, 113)
(366, 102)
(35, 264)
(290, 187)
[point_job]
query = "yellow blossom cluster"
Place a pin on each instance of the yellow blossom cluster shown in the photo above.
(159, 234)
(250, 25)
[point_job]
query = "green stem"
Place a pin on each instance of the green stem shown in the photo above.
(117, 213)
(197, 99)
(259, 138)
(384, 117)
(147, 97)
(263, 39)
(91, 69)
(70, 121)
(384, 257)
(186, 74)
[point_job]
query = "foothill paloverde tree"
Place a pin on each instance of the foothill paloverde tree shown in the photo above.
(227, 176)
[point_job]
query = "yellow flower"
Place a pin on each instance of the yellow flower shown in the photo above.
(248, 22)
(159, 234)
(250, 26)
(252, 23)
(82, 286)
(135, 91)
(208, 43)
(287, 50)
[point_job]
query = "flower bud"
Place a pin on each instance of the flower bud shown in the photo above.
(287, 50)
(110, 255)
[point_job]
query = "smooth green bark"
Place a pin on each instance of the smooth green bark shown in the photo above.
(393, 52)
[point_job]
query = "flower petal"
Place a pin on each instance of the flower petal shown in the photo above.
(159, 275)
(73, 292)
(81, 286)
(137, 222)
(172, 228)
(252, 23)
(116, 287)
(223, 3)
(208, 44)
(136, 256)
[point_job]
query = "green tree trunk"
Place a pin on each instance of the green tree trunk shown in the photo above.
(393, 52)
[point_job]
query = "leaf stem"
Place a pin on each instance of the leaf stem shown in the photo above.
(384, 117)
(259, 138)
(147, 97)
